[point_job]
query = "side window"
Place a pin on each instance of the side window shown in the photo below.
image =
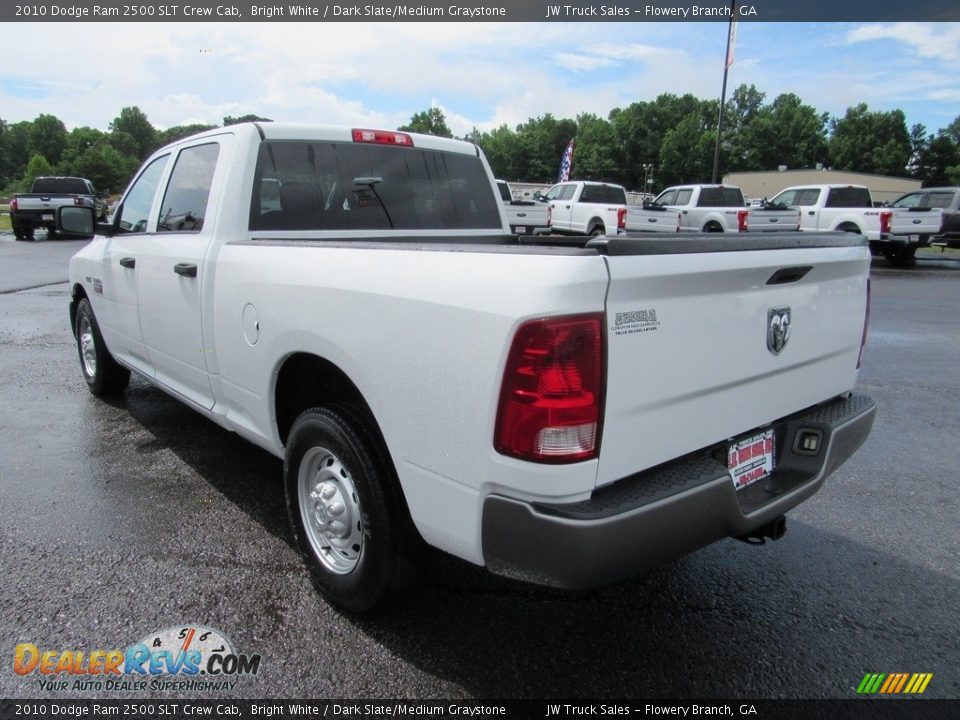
(667, 197)
(908, 201)
(554, 192)
(788, 197)
(568, 191)
(807, 198)
(136, 205)
(185, 201)
(587, 194)
(683, 197)
(939, 200)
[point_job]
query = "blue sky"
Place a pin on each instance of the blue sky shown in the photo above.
(481, 75)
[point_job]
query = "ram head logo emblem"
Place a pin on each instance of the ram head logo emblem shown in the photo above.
(778, 329)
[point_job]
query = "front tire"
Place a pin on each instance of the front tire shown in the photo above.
(101, 372)
(348, 517)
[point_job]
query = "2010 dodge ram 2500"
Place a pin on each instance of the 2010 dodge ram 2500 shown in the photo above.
(565, 412)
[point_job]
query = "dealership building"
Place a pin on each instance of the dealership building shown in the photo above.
(767, 183)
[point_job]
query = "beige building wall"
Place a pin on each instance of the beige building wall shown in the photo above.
(883, 188)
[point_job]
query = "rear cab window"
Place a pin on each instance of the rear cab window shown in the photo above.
(609, 194)
(61, 186)
(358, 186)
(720, 197)
(849, 197)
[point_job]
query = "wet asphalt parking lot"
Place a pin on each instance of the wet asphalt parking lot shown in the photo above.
(124, 518)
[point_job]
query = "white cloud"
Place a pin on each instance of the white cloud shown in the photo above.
(940, 41)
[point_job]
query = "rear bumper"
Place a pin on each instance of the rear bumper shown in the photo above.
(669, 511)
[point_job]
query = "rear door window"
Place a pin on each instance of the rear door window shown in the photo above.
(667, 197)
(939, 200)
(358, 186)
(720, 197)
(184, 203)
(683, 196)
(849, 197)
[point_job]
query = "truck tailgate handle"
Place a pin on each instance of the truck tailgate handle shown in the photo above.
(788, 275)
(185, 269)
(128, 262)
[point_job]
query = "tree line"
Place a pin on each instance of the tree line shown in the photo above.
(670, 139)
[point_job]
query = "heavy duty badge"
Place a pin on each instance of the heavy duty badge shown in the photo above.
(778, 329)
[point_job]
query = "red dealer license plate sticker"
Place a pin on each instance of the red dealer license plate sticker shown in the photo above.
(751, 459)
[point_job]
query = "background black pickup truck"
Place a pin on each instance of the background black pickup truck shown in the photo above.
(38, 208)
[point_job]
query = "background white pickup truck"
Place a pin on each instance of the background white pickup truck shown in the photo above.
(587, 208)
(850, 208)
(722, 208)
(564, 413)
(525, 217)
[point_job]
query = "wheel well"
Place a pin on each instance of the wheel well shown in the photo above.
(848, 227)
(713, 226)
(594, 224)
(305, 381)
(78, 294)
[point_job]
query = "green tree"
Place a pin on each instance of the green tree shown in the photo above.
(594, 157)
(541, 143)
(686, 155)
(428, 122)
(936, 160)
(785, 132)
(36, 167)
(871, 142)
(48, 137)
(178, 132)
(134, 123)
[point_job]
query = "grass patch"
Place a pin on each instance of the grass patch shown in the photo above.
(939, 251)
(5, 217)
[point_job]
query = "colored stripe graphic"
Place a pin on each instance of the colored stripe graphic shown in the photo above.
(894, 683)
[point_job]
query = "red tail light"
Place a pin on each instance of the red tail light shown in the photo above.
(742, 223)
(866, 328)
(551, 400)
(78, 201)
(13, 205)
(382, 137)
(621, 218)
(885, 217)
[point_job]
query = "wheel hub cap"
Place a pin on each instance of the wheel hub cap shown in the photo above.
(330, 510)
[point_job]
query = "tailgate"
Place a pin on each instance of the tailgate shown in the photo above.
(650, 220)
(916, 221)
(762, 219)
(688, 363)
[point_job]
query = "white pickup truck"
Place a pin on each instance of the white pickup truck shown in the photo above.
(564, 413)
(722, 208)
(525, 217)
(580, 207)
(894, 233)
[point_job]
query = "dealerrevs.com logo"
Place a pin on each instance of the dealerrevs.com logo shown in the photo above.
(190, 658)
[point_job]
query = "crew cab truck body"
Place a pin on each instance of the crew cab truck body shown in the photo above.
(581, 207)
(565, 413)
(850, 208)
(525, 217)
(722, 208)
(37, 209)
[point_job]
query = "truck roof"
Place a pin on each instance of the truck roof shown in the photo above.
(335, 133)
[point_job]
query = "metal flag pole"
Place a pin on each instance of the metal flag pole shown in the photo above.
(731, 43)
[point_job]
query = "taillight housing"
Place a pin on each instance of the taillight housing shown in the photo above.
(621, 218)
(13, 205)
(551, 399)
(550, 215)
(382, 137)
(742, 222)
(79, 202)
(866, 328)
(885, 217)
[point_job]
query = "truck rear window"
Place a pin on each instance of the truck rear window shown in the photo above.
(60, 186)
(720, 197)
(849, 197)
(347, 186)
(604, 194)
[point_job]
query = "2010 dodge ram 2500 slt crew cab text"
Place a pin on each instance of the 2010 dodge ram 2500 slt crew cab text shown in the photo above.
(567, 413)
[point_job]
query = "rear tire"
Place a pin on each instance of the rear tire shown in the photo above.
(598, 230)
(346, 510)
(101, 372)
(712, 228)
(901, 257)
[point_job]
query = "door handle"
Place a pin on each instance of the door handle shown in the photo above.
(128, 262)
(811, 212)
(185, 269)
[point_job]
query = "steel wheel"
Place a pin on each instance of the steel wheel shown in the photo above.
(88, 349)
(330, 511)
